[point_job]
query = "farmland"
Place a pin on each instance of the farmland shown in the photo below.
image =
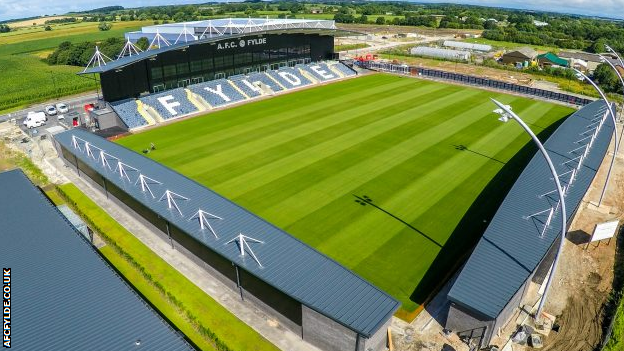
(27, 79)
(392, 177)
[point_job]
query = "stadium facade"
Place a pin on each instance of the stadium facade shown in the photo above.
(519, 245)
(64, 295)
(309, 293)
(188, 53)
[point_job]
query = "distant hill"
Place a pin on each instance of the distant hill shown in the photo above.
(102, 9)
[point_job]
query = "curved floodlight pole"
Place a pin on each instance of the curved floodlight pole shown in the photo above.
(615, 136)
(564, 226)
(618, 73)
(610, 49)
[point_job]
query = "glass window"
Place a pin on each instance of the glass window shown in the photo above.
(207, 64)
(157, 72)
(182, 68)
(196, 66)
(169, 70)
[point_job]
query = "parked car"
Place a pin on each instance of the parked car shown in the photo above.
(62, 108)
(60, 117)
(50, 110)
(35, 119)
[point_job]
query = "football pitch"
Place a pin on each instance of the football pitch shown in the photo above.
(393, 177)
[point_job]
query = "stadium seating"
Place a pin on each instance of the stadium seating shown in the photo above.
(217, 92)
(175, 103)
(243, 83)
(346, 71)
(320, 71)
(289, 77)
(264, 78)
(171, 103)
(127, 111)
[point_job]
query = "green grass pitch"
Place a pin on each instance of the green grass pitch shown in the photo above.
(422, 152)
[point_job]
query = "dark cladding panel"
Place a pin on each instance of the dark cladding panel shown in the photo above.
(126, 82)
(200, 62)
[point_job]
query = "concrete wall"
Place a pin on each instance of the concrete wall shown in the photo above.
(467, 325)
(377, 341)
(505, 317)
(326, 333)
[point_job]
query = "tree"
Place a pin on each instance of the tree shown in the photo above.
(599, 46)
(103, 26)
(4, 28)
(142, 43)
(380, 20)
(48, 28)
(606, 78)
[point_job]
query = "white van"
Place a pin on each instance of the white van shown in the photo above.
(35, 119)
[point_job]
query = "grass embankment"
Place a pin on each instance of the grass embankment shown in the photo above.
(204, 321)
(26, 79)
(301, 160)
(616, 339)
(10, 159)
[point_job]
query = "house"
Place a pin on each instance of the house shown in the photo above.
(550, 59)
(522, 56)
(316, 10)
(539, 23)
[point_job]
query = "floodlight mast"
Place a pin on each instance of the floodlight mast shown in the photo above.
(615, 136)
(564, 226)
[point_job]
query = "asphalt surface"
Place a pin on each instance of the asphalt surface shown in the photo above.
(73, 103)
(76, 105)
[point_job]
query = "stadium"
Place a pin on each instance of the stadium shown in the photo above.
(331, 206)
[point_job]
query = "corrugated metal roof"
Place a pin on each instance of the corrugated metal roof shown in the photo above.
(554, 59)
(511, 247)
(288, 264)
(63, 295)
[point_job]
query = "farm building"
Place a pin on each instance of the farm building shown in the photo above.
(550, 59)
(522, 56)
(585, 60)
(65, 296)
(309, 293)
(467, 46)
(518, 247)
(441, 53)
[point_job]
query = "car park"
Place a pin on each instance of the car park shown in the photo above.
(62, 108)
(50, 110)
(34, 120)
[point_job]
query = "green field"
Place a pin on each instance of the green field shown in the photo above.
(421, 152)
(27, 79)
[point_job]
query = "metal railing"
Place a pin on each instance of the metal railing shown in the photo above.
(476, 81)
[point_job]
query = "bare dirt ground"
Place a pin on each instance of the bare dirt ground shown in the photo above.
(584, 279)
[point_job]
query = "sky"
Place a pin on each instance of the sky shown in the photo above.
(10, 9)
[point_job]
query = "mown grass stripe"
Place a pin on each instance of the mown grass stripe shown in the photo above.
(316, 127)
(239, 185)
(317, 148)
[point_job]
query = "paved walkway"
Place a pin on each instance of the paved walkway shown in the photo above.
(244, 310)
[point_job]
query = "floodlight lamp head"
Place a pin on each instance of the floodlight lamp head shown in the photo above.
(504, 118)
